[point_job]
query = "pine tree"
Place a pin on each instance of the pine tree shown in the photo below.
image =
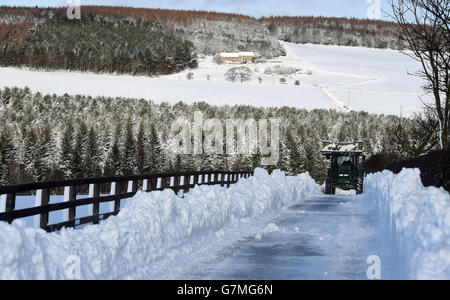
(129, 152)
(297, 156)
(140, 150)
(66, 151)
(6, 156)
(316, 164)
(368, 148)
(178, 165)
(113, 164)
(33, 157)
(91, 156)
(284, 163)
(79, 152)
(209, 158)
(45, 150)
(188, 162)
(239, 163)
(158, 163)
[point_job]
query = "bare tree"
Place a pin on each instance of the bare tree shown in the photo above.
(425, 27)
(218, 59)
(416, 136)
(244, 73)
(231, 74)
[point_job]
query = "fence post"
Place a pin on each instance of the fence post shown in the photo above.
(10, 203)
(95, 190)
(226, 180)
(195, 179)
(70, 194)
(163, 183)
(42, 199)
(186, 183)
(221, 180)
(154, 184)
(176, 184)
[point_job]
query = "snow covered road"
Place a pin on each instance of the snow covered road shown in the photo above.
(320, 238)
(264, 227)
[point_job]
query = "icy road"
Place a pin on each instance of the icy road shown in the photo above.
(264, 227)
(321, 238)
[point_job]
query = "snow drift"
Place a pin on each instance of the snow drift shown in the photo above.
(156, 232)
(419, 223)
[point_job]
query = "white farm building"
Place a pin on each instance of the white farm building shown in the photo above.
(237, 57)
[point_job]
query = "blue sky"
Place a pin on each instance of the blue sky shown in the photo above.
(257, 8)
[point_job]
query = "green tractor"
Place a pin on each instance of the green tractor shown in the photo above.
(345, 171)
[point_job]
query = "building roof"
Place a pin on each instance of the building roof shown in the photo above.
(247, 54)
(230, 55)
(236, 54)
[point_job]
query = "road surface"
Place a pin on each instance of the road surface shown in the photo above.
(324, 237)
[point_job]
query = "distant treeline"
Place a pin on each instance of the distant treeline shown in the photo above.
(154, 41)
(95, 43)
(45, 137)
(336, 31)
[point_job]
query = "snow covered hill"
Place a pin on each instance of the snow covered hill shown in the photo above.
(329, 77)
(161, 236)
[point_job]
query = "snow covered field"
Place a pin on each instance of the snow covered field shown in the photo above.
(207, 233)
(331, 77)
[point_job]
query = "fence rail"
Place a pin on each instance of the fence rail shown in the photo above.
(120, 188)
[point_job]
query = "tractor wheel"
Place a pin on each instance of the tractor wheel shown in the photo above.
(329, 190)
(360, 185)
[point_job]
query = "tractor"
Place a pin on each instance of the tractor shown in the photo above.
(345, 170)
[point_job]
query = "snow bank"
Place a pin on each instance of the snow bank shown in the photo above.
(419, 223)
(153, 231)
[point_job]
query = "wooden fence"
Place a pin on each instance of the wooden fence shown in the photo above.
(119, 188)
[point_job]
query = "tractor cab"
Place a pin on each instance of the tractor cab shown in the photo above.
(345, 170)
